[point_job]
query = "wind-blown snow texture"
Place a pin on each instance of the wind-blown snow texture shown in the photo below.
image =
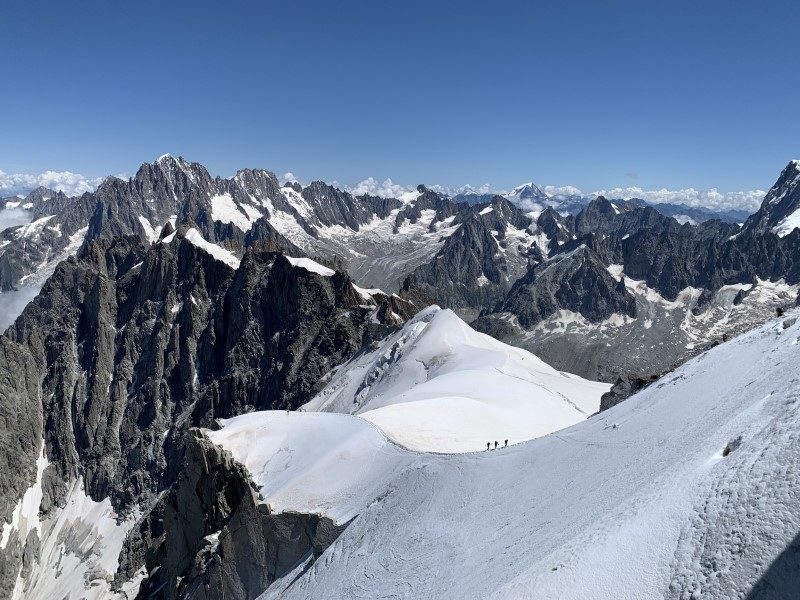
(689, 487)
(437, 385)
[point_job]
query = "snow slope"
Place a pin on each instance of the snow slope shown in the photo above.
(641, 501)
(313, 462)
(311, 266)
(788, 224)
(79, 552)
(438, 385)
(214, 250)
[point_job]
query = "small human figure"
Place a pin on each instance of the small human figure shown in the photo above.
(506, 445)
(779, 311)
(488, 444)
(495, 444)
(724, 337)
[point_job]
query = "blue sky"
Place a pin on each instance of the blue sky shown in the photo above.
(591, 94)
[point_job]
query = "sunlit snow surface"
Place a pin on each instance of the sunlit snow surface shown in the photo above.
(218, 252)
(311, 266)
(438, 385)
(79, 552)
(787, 225)
(79, 545)
(313, 462)
(225, 210)
(636, 502)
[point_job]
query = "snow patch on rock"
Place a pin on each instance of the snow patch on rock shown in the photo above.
(311, 266)
(218, 252)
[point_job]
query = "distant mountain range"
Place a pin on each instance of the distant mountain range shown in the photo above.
(530, 197)
(175, 300)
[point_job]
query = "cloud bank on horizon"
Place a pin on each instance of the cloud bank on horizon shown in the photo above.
(711, 199)
(73, 184)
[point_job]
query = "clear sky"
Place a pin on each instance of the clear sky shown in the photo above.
(593, 94)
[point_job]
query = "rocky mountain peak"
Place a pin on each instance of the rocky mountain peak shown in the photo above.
(40, 194)
(788, 179)
(576, 281)
(295, 185)
(780, 210)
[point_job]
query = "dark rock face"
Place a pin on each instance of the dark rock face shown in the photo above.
(578, 282)
(427, 200)
(670, 262)
(464, 274)
(477, 264)
(335, 207)
(667, 256)
(218, 540)
(264, 234)
(688, 266)
(168, 189)
(625, 387)
(20, 435)
(128, 347)
(604, 217)
(558, 229)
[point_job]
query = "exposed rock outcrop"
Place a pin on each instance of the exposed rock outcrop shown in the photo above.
(219, 541)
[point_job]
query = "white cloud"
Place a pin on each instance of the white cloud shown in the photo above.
(389, 189)
(287, 177)
(11, 217)
(712, 198)
(14, 302)
(469, 189)
(72, 184)
(564, 190)
(386, 188)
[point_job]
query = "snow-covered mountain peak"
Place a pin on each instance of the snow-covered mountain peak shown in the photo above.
(438, 385)
(528, 191)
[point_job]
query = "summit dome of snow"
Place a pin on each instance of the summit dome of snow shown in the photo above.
(438, 385)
